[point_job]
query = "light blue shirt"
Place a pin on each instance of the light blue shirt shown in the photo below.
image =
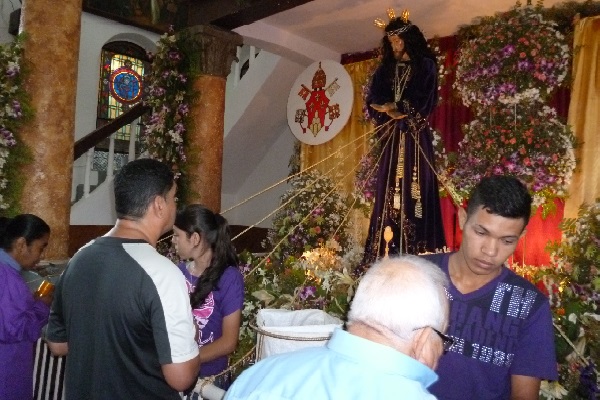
(348, 367)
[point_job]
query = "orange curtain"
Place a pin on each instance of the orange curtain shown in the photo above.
(584, 114)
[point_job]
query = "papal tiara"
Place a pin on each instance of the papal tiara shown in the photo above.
(392, 16)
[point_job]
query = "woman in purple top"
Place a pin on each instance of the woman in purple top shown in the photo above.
(215, 284)
(22, 316)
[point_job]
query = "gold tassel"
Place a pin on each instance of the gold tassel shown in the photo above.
(419, 209)
(414, 186)
(400, 166)
(397, 197)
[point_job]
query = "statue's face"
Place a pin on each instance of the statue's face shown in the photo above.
(397, 46)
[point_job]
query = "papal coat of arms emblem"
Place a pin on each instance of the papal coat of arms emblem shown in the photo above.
(317, 113)
(317, 100)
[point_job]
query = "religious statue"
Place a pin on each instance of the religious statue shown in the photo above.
(401, 94)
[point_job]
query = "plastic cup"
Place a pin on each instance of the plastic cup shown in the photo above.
(46, 288)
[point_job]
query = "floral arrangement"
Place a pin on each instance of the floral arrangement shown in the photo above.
(506, 70)
(572, 284)
(311, 212)
(170, 95)
(537, 148)
(515, 57)
(14, 109)
(319, 279)
(365, 180)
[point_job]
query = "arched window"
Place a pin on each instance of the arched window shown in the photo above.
(121, 70)
(122, 67)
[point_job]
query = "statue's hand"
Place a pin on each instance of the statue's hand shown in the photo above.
(395, 114)
(386, 108)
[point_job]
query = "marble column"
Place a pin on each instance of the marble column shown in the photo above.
(216, 51)
(51, 52)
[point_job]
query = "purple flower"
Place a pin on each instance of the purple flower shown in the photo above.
(174, 56)
(306, 292)
(17, 108)
(508, 50)
(183, 109)
(12, 70)
(245, 268)
(8, 137)
(179, 128)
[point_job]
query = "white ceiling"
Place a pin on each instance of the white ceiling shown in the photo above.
(346, 26)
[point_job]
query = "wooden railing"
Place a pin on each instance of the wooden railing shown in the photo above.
(95, 137)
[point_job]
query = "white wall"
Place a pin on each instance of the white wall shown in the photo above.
(272, 168)
(6, 7)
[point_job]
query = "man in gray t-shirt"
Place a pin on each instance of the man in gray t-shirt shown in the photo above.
(121, 311)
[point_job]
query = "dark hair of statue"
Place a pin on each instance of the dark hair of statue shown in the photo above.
(28, 226)
(138, 183)
(415, 43)
(215, 230)
(501, 195)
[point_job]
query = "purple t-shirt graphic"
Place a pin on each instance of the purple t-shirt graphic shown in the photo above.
(225, 299)
(504, 328)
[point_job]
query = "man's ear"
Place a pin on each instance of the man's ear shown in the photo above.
(158, 205)
(462, 217)
(423, 351)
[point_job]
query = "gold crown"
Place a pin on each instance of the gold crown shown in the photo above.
(380, 23)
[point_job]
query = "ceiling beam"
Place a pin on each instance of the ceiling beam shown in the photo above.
(231, 14)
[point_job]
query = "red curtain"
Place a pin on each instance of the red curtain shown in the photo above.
(448, 119)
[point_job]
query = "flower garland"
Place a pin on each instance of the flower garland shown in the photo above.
(515, 57)
(14, 110)
(170, 95)
(535, 147)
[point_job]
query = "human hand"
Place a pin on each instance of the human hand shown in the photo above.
(46, 299)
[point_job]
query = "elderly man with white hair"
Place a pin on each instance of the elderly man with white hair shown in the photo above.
(389, 350)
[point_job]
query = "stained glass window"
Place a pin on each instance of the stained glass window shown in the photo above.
(121, 84)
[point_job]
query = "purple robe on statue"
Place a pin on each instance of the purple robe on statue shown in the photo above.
(418, 99)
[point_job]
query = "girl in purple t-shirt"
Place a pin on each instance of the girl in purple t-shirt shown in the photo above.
(215, 285)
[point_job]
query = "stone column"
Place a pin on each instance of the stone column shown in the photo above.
(51, 52)
(216, 50)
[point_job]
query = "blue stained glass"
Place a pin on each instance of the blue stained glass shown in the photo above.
(126, 85)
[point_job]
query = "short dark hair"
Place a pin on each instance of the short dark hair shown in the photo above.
(28, 226)
(501, 195)
(138, 183)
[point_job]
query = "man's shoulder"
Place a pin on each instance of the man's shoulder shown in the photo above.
(436, 258)
(515, 279)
